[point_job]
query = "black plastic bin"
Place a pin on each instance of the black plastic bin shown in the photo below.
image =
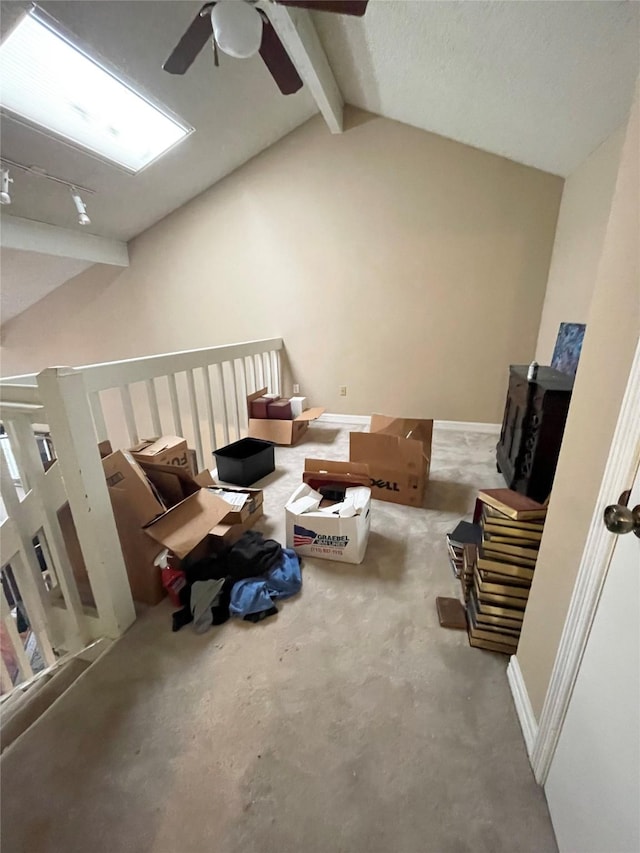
(245, 461)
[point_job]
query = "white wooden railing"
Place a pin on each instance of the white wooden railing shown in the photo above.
(198, 394)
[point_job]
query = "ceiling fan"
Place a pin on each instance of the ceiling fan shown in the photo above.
(240, 29)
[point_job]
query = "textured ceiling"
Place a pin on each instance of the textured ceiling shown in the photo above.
(28, 276)
(543, 83)
(540, 82)
(236, 109)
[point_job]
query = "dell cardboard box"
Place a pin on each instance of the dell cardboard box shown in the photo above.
(398, 453)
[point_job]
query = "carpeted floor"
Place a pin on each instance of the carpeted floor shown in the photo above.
(349, 723)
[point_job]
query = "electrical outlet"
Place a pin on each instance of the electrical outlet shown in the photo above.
(296, 389)
(343, 390)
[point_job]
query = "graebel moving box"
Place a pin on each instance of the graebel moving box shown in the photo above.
(398, 453)
(330, 529)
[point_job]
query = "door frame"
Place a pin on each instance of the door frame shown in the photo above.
(622, 463)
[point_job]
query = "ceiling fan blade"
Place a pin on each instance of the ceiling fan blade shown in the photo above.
(342, 7)
(191, 43)
(277, 60)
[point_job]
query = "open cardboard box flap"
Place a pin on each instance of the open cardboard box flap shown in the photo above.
(156, 446)
(256, 498)
(406, 439)
(172, 482)
(319, 471)
(185, 525)
(127, 479)
(330, 466)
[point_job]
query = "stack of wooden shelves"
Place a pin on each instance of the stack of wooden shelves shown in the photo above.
(496, 576)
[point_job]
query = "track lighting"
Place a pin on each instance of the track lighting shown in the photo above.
(38, 172)
(83, 218)
(5, 197)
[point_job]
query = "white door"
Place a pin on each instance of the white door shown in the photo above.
(593, 786)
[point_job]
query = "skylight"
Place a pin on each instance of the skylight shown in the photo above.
(51, 83)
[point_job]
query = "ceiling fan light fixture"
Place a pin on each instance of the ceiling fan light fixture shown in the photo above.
(5, 196)
(237, 28)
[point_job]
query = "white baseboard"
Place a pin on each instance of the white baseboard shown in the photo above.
(363, 420)
(356, 420)
(468, 426)
(527, 719)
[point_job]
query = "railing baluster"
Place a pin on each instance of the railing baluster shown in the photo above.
(223, 395)
(210, 416)
(153, 406)
(64, 396)
(236, 408)
(26, 572)
(54, 549)
(14, 445)
(259, 371)
(175, 405)
(24, 665)
(5, 679)
(47, 557)
(245, 393)
(195, 417)
(267, 371)
(252, 374)
(275, 371)
(129, 416)
(28, 576)
(98, 416)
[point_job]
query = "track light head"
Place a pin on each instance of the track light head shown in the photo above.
(5, 197)
(83, 218)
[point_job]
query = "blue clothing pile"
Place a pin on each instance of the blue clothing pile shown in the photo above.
(243, 581)
(255, 595)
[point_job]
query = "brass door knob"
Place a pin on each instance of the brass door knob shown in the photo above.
(620, 519)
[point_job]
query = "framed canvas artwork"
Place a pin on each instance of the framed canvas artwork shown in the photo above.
(566, 353)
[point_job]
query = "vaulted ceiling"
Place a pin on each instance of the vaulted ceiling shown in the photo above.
(543, 83)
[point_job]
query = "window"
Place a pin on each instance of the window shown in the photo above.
(50, 82)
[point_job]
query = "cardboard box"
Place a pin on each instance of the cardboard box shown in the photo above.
(398, 453)
(165, 450)
(234, 516)
(280, 432)
(134, 504)
(172, 483)
(183, 527)
(323, 472)
(230, 528)
(223, 535)
(326, 529)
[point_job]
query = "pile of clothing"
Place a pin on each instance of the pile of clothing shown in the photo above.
(244, 581)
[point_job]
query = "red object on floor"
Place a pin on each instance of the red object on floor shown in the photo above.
(173, 580)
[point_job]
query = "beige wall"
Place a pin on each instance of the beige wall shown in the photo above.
(408, 267)
(613, 327)
(582, 222)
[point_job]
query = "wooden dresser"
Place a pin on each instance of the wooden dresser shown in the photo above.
(532, 428)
